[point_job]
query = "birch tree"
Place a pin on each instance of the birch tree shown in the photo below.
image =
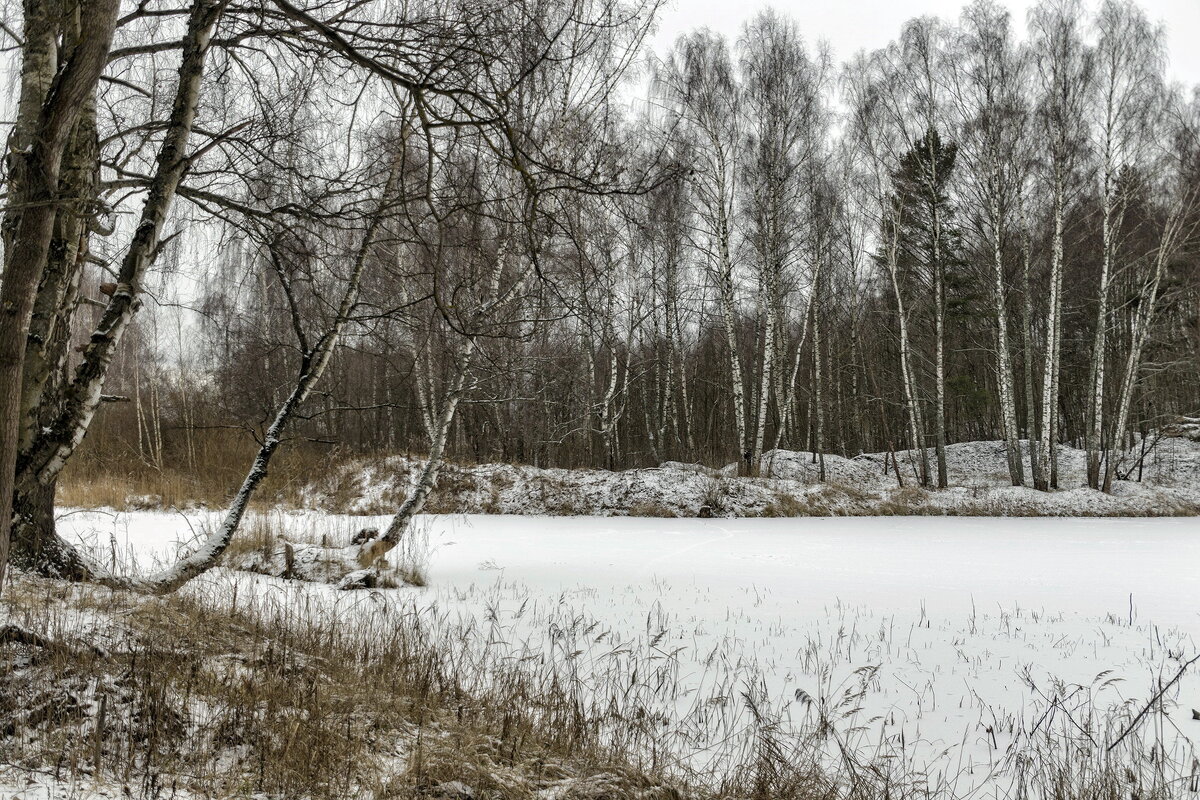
(57, 103)
(786, 125)
(1127, 86)
(875, 111)
(1062, 69)
(700, 86)
(1172, 218)
(990, 90)
(922, 51)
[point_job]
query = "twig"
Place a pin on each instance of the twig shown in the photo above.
(1136, 720)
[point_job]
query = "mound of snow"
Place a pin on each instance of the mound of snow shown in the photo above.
(804, 467)
(790, 485)
(379, 487)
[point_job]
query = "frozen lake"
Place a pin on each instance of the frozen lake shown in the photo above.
(943, 645)
(1089, 566)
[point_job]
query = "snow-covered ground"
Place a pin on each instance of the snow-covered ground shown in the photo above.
(1163, 480)
(942, 647)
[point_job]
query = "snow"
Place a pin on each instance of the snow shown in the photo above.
(939, 643)
(17, 783)
(21, 784)
(789, 486)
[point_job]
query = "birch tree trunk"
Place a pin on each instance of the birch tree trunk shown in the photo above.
(787, 416)
(1100, 345)
(818, 383)
(1004, 371)
(939, 318)
(427, 479)
(725, 288)
(426, 482)
(916, 424)
(49, 107)
(1048, 444)
(1032, 432)
(766, 382)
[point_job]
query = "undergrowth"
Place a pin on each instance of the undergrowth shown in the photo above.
(252, 697)
(240, 688)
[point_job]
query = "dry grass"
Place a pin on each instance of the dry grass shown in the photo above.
(180, 691)
(181, 694)
(787, 504)
(95, 478)
(280, 692)
(258, 533)
(649, 508)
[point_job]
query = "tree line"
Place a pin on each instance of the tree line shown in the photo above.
(446, 229)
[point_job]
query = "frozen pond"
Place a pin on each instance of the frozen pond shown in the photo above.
(952, 564)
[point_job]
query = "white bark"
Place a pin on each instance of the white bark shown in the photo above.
(1004, 371)
(493, 303)
(313, 366)
(1048, 445)
(768, 366)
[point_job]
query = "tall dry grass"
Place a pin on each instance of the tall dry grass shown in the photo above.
(240, 687)
(109, 474)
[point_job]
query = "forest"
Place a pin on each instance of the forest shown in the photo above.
(352, 232)
(984, 231)
(301, 295)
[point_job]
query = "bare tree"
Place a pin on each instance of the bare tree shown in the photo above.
(1173, 220)
(877, 114)
(699, 84)
(1128, 86)
(990, 89)
(783, 90)
(1062, 66)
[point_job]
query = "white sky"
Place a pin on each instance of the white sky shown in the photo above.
(852, 25)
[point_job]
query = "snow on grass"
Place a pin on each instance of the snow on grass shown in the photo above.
(789, 486)
(25, 784)
(944, 649)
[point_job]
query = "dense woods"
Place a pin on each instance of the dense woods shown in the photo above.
(494, 231)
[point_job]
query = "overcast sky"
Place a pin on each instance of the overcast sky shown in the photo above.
(852, 25)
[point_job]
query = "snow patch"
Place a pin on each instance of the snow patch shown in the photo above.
(790, 485)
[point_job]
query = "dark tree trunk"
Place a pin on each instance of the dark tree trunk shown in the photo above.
(36, 546)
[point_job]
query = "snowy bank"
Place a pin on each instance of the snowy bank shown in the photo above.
(1165, 481)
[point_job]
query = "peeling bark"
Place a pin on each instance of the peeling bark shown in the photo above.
(50, 106)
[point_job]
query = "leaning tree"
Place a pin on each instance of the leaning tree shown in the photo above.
(95, 138)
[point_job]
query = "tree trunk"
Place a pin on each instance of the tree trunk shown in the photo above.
(819, 443)
(1004, 371)
(728, 317)
(916, 424)
(33, 194)
(939, 301)
(35, 545)
(427, 480)
(1032, 435)
(768, 365)
(1095, 417)
(1047, 450)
